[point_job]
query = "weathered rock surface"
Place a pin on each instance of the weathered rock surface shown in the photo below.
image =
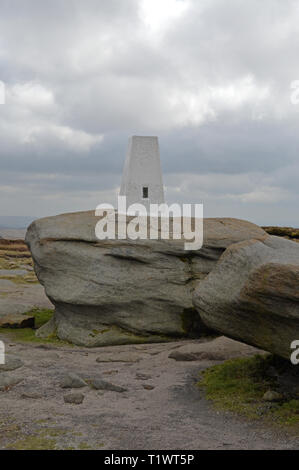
(119, 357)
(31, 396)
(121, 291)
(11, 363)
(17, 321)
(218, 349)
(100, 384)
(72, 380)
(252, 294)
(74, 398)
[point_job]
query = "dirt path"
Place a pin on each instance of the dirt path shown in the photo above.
(172, 415)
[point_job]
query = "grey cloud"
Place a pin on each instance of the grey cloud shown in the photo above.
(214, 85)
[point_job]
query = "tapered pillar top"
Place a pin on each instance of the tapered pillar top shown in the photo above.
(142, 176)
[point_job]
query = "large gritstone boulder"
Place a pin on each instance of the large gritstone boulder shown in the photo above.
(122, 291)
(252, 295)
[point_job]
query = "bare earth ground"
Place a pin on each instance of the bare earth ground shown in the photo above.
(173, 415)
(162, 408)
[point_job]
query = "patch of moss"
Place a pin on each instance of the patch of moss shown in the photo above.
(41, 316)
(54, 432)
(33, 443)
(44, 439)
(10, 430)
(8, 262)
(27, 279)
(239, 385)
(26, 335)
(4, 264)
(84, 446)
(42, 421)
(47, 439)
(11, 260)
(286, 232)
(288, 413)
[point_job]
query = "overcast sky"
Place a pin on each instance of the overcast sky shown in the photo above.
(211, 78)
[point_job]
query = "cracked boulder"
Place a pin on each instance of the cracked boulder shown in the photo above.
(109, 292)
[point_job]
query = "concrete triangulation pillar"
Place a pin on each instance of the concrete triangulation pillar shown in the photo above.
(142, 176)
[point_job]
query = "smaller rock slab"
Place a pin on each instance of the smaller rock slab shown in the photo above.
(100, 384)
(119, 357)
(219, 349)
(72, 380)
(74, 398)
(11, 363)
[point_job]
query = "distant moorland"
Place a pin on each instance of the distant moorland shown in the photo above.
(15, 222)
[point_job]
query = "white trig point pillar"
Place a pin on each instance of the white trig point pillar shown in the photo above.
(142, 176)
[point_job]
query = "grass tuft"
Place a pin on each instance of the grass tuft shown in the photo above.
(239, 385)
(41, 316)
